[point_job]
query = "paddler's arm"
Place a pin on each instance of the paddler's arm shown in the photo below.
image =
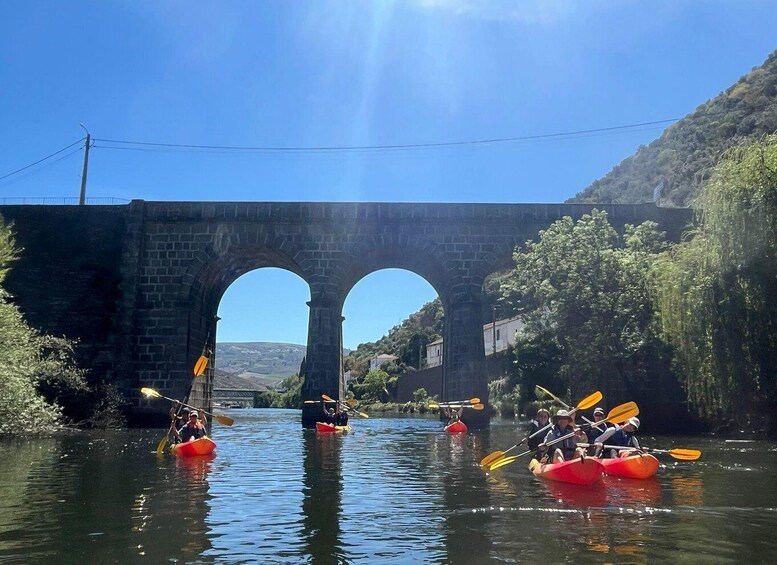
(607, 434)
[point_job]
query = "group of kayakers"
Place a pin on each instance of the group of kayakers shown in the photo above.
(337, 417)
(187, 424)
(561, 441)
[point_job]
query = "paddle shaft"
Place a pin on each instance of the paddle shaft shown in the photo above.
(565, 405)
(187, 405)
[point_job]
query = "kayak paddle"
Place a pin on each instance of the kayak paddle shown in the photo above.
(473, 406)
(543, 390)
(584, 404)
(344, 405)
(678, 453)
(457, 403)
(226, 420)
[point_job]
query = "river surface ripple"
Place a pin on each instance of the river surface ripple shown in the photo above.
(394, 490)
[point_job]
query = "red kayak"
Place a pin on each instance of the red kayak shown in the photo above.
(637, 466)
(577, 471)
(202, 446)
(325, 428)
(456, 427)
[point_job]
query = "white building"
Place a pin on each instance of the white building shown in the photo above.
(378, 360)
(434, 353)
(497, 336)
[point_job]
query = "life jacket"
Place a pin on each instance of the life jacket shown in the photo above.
(621, 438)
(567, 447)
(189, 431)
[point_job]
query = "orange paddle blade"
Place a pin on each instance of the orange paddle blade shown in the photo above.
(199, 366)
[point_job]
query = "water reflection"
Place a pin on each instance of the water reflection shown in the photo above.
(395, 490)
(322, 504)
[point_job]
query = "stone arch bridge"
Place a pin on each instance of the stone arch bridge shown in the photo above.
(139, 285)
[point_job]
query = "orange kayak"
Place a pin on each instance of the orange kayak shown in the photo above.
(456, 427)
(202, 446)
(577, 471)
(637, 466)
(325, 428)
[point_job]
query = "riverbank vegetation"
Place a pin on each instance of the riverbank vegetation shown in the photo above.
(41, 387)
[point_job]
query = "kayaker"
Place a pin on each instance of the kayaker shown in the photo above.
(453, 415)
(193, 428)
(541, 420)
(329, 416)
(563, 450)
(622, 436)
(341, 418)
(596, 430)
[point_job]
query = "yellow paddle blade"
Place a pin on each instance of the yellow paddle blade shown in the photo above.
(352, 402)
(545, 392)
(199, 366)
(311, 402)
(503, 462)
(150, 392)
(363, 415)
(684, 454)
(161, 445)
(590, 400)
(490, 458)
(622, 412)
(226, 420)
(476, 406)
(328, 398)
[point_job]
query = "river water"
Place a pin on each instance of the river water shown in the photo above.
(394, 490)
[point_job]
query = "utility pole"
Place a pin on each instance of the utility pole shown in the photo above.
(82, 199)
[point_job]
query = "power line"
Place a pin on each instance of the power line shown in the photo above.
(41, 160)
(49, 164)
(354, 148)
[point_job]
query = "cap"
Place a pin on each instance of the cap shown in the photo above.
(543, 411)
(561, 414)
(598, 411)
(193, 413)
(634, 422)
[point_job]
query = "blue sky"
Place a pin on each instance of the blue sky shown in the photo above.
(322, 74)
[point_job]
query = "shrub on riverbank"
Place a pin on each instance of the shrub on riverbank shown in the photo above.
(40, 385)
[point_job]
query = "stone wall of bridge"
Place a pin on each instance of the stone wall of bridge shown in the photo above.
(139, 285)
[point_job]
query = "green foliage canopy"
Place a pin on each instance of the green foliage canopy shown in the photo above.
(716, 291)
(591, 301)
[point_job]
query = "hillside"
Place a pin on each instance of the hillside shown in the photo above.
(262, 361)
(685, 153)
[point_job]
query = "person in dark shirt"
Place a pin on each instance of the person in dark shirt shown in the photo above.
(193, 429)
(593, 433)
(622, 436)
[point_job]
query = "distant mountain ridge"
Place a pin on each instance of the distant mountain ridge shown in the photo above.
(260, 359)
(680, 161)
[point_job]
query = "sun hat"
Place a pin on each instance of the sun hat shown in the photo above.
(562, 414)
(634, 422)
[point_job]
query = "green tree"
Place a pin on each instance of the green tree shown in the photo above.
(590, 303)
(716, 291)
(374, 387)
